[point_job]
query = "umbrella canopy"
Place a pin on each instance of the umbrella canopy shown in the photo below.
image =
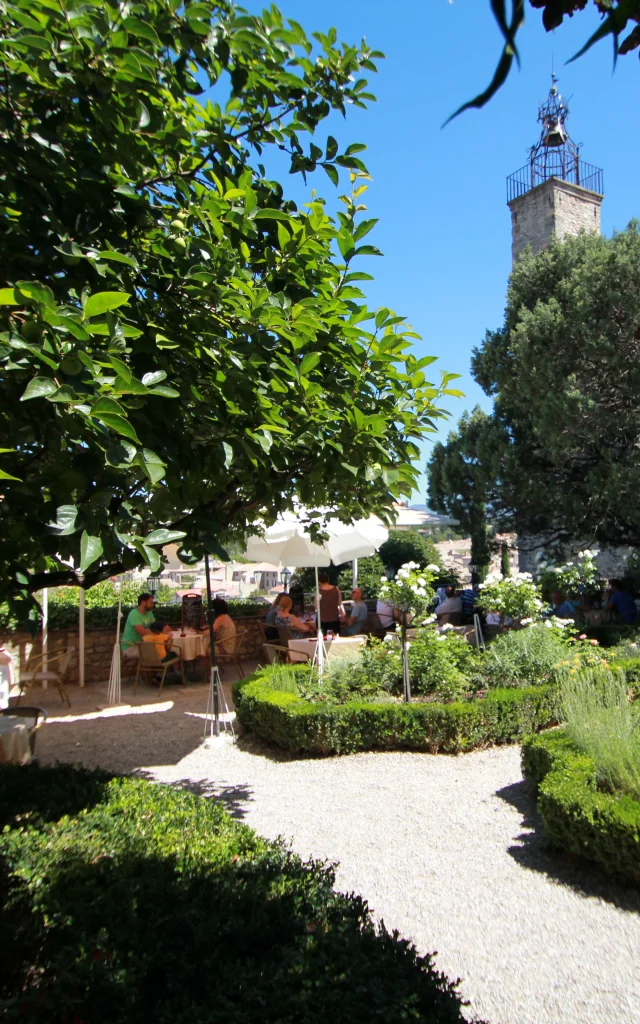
(287, 542)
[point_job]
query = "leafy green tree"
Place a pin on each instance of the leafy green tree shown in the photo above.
(617, 17)
(458, 475)
(408, 546)
(559, 455)
(182, 350)
(370, 573)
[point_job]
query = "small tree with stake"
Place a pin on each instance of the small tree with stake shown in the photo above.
(410, 593)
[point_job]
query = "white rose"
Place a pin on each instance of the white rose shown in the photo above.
(441, 637)
(433, 568)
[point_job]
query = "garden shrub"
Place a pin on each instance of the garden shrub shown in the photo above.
(524, 657)
(305, 727)
(577, 816)
(130, 902)
(603, 722)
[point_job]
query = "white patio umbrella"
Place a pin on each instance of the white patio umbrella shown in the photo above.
(287, 542)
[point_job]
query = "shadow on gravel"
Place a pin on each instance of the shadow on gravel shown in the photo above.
(535, 853)
(233, 798)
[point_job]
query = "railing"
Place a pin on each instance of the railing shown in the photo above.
(556, 165)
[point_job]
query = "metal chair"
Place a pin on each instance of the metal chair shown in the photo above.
(38, 717)
(34, 673)
(150, 663)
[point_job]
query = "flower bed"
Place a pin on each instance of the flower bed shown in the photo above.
(129, 902)
(282, 717)
(577, 816)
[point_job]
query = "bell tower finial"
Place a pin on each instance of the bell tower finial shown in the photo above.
(573, 189)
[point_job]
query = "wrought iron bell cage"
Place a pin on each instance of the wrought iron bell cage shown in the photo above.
(555, 154)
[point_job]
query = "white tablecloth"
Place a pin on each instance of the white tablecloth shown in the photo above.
(14, 740)
(190, 646)
(334, 648)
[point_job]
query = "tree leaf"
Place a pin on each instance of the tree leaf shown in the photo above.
(65, 523)
(152, 557)
(90, 550)
(100, 302)
(228, 454)
(164, 536)
(121, 368)
(119, 424)
(310, 361)
(39, 387)
(117, 257)
(7, 476)
(165, 392)
(9, 297)
(153, 378)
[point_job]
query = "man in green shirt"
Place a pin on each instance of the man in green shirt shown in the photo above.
(137, 625)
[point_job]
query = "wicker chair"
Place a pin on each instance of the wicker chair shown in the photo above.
(35, 673)
(36, 716)
(151, 664)
(232, 655)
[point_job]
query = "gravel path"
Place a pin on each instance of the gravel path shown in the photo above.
(443, 848)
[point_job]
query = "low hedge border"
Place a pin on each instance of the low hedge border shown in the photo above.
(577, 816)
(283, 718)
(126, 902)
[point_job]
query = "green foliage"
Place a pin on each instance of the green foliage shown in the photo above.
(601, 721)
(577, 816)
(323, 728)
(505, 561)
(408, 546)
(65, 615)
(524, 657)
(619, 15)
(370, 571)
(568, 353)
(457, 474)
(122, 899)
(183, 350)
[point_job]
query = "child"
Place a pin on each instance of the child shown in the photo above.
(162, 645)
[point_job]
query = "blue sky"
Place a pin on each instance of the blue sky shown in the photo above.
(440, 194)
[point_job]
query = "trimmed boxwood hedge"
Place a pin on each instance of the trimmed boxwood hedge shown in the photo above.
(502, 716)
(127, 902)
(577, 816)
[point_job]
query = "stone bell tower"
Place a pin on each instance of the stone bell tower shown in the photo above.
(556, 192)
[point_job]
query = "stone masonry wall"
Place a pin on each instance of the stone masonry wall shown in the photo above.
(554, 208)
(611, 562)
(99, 647)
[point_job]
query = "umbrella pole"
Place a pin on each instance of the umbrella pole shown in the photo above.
(320, 652)
(214, 677)
(114, 691)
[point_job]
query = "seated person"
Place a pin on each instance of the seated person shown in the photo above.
(270, 621)
(285, 619)
(562, 607)
(358, 619)
(158, 636)
(451, 606)
(138, 625)
(387, 614)
(224, 628)
(623, 603)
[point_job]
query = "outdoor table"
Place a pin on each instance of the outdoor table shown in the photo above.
(334, 648)
(191, 646)
(14, 740)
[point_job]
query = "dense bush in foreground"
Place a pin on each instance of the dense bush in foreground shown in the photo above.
(605, 827)
(129, 902)
(274, 711)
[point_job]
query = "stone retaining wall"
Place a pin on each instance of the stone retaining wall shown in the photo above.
(99, 647)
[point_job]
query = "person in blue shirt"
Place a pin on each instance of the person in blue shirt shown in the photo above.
(562, 607)
(622, 602)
